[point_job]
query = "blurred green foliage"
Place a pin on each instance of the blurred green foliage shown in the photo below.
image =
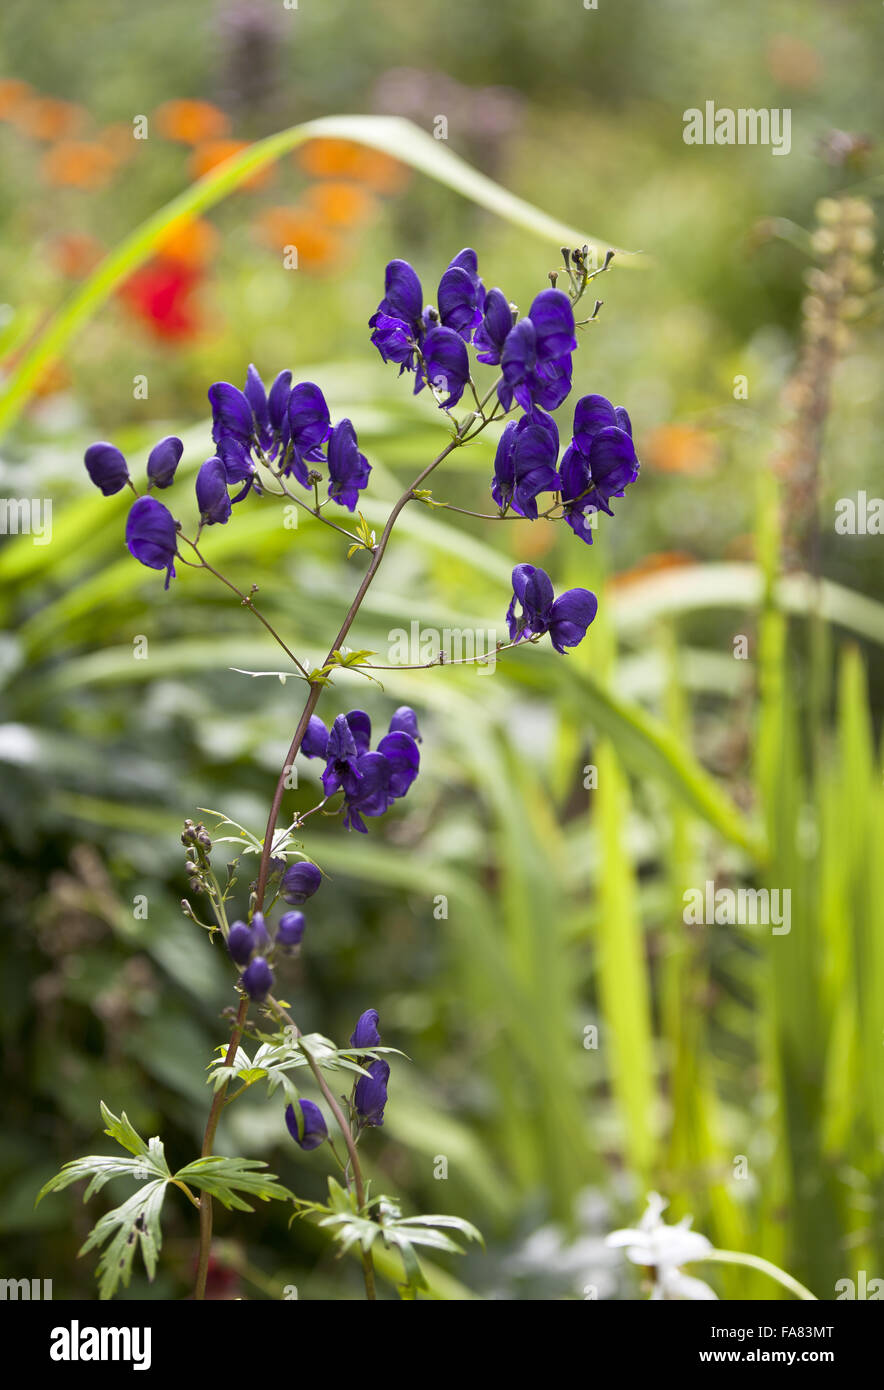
(564, 905)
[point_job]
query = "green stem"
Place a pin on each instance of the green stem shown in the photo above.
(737, 1257)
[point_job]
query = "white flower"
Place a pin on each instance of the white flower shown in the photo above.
(664, 1249)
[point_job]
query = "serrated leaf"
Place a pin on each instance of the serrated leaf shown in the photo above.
(226, 1178)
(134, 1225)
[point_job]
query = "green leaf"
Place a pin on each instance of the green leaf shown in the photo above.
(226, 1178)
(134, 1225)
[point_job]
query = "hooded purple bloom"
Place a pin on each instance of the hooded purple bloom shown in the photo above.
(398, 326)
(299, 882)
(315, 740)
(348, 470)
(599, 464)
(371, 1093)
(260, 934)
(306, 1124)
(257, 979)
(152, 535)
(405, 721)
(445, 364)
(461, 295)
(211, 493)
(525, 463)
(536, 357)
(240, 943)
(492, 333)
(163, 460)
(309, 425)
(566, 618)
(342, 754)
(366, 1034)
(231, 414)
(290, 931)
(247, 420)
(106, 467)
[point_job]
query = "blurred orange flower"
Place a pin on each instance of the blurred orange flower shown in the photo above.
(13, 94)
(47, 118)
(191, 121)
(119, 140)
(315, 245)
(211, 153)
(680, 449)
(652, 564)
(78, 164)
(344, 159)
(191, 242)
(793, 62)
(341, 204)
(74, 253)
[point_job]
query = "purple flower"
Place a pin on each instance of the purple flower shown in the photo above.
(260, 934)
(492, 333)
(525, 463)
(212, 497)
(257, 979)
(243, 421)
(599, 464)
(566, 618)
(342, 755)
(371, 1093)
(290, 931)
(300, 881)
(405, 721)
(398, 326)
(306, 1124)
(348, 470)
(315, 740)
(445, 364)
(106, 467)
(152, 535)
(536, 356)
(231, 414)
(163, 460)
(240, 943)
(309, 425)
(461, 295)
(366, 1034)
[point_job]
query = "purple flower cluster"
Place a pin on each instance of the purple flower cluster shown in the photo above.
(306, 1122)
(250, 944)
(566, 618)
(599, 463)
(370, 781)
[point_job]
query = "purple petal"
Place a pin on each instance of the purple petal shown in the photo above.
(163, 460)
(152, 535)
(570, 617)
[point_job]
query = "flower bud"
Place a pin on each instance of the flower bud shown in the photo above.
(260, 934)
(366, 1034)
(299, 882)
(306, 1124)
(257, 979)
(371, 1093)
(291, 929)
(240, 943)
(106, 467)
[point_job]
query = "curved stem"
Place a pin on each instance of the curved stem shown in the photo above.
(738, 1257)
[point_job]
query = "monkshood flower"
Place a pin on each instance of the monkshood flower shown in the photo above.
(243, 421)
(299, 882)
(398, 325)
(566, 618)
(306, 1124)
(240, 943)
(599, 464)
(493, 331)
(152, 535)
(461, 295)
(371, 1093)
(309, 426)
(257, 979)
(212, 496)
(525, 463)
(445, 365)
(366, 1034)
(536, 356)
(290, 931)
(663, 1249)
(370, 781)
(109, 471)
(348, 470)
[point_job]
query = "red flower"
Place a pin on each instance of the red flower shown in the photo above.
(160, 295)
